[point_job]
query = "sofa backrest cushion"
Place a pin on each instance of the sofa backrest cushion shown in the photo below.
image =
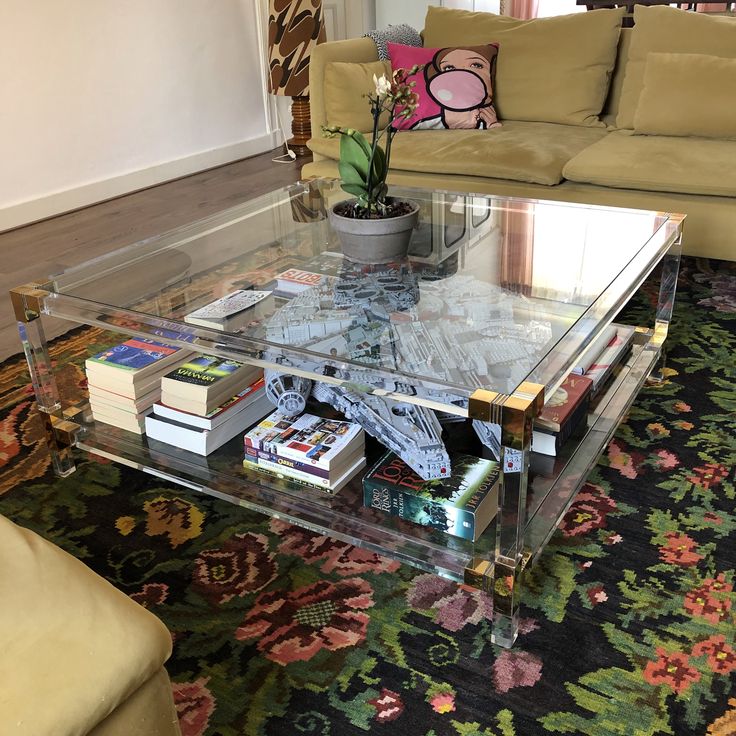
(354, 50)
(347, 105)
(610, 109)
(554, 70)
(687, 95)
(665, 29)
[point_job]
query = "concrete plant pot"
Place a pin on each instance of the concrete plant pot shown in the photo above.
(375, 241)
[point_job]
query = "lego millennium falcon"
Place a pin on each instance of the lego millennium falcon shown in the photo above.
(456, 330)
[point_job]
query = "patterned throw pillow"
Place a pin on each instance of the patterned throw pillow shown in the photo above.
(455, 87)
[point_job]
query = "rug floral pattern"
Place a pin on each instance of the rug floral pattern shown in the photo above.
(628, 620)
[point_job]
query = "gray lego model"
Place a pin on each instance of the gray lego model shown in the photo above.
(462, 331)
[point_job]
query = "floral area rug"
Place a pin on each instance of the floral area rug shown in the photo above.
(628, 619)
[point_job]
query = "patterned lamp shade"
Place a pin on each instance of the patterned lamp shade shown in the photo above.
(294, 28)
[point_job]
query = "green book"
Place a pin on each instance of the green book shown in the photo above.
(462, 505)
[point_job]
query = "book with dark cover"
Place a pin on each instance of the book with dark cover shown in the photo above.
(462, 505)
(558, 410)
(204, 370)
(546, 442)
(204, 382)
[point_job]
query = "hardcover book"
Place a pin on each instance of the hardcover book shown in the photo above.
(312, 440)
(595, 350)
(564, 401)
(462, 505)
(605, 363)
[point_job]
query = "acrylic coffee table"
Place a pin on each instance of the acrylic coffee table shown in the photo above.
(498, 301)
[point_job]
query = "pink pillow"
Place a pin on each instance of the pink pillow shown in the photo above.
(455, 87)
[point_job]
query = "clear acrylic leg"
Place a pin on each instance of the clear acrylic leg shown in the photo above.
(47, 394)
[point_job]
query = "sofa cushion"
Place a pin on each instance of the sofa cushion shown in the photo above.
(554, 70)
(521, 151)
(657, 163)
(346, 86)
(454, 85)
(73, 647)
(665, 29)
(687, 94)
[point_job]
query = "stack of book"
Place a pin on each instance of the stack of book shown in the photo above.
(602, 369)
(124, 381)
(566, 411)
(322, 453)
(563, 414)
(206, 402)
(462, 505)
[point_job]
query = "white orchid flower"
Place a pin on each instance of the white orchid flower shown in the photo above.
(383, 85)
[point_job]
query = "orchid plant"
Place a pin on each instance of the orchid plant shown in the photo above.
(364, 165)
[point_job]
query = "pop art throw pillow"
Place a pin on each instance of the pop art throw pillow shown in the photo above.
(455, 86)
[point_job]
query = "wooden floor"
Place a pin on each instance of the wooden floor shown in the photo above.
(36, 251)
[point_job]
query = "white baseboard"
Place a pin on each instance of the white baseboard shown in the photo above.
(33, 210)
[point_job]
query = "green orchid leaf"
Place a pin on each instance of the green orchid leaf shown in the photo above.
(351, 152)
(379, 165)
(350, 175)
(362, 141)
(358, 191)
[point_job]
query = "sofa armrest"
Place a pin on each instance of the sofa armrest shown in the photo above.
(353, 50)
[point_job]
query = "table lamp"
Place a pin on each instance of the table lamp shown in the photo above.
(294, 28)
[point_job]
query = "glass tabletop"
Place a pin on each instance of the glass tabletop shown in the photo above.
(495, 291)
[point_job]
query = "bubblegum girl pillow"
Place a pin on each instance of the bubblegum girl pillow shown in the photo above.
(455, 86)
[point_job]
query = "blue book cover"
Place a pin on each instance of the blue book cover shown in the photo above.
(134, 354)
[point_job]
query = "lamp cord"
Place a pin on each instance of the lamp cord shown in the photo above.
(289, 156)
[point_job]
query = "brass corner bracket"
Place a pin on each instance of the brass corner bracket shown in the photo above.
(27, 300)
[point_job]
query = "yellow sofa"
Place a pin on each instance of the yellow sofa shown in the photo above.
(604, 161)
(79, 657)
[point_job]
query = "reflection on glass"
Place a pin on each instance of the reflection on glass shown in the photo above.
(454, 221)
(502, 284)
(480, 210)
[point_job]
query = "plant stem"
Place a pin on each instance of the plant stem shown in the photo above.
(376, 110)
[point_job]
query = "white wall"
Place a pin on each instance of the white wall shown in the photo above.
(413, 12)
(98, 97)
(390, 12)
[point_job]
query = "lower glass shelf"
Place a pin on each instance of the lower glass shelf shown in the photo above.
(343, 515)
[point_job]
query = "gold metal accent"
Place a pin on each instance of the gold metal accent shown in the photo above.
(526, 555)
(478, 573)
(517, 414)
(535, 391)
(75, 412)
(27, 301)
(480, 404)
(65, 431)
(660, 334)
